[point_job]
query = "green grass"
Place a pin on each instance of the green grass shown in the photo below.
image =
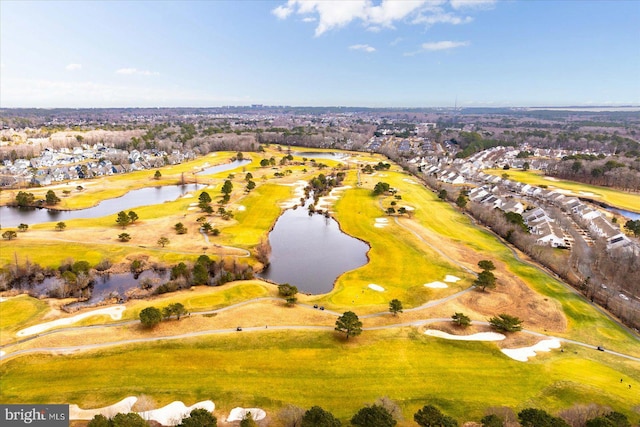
(610, 196)
(271, 369)
(18, 312)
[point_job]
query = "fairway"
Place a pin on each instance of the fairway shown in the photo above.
(307, 363)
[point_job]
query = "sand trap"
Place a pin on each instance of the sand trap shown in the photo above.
(451, 279)
(382, 220)
(376, 287)
(436, 285)
(191, 209)
(586, 193)
(187, 196)
(238, 414)
(174, 412)
(410, 181)
(194, 204)
(298, 192)
(3, 299)
(169, 415)
(380, 225)
(2, 353)
(114, 312)
(550, 178)
(480, 336)
(124, 406)
(242, 208)
(524, 353)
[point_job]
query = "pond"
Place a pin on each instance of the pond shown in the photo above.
(11, 216)
(222, 168)
(321, 155)
(627, 214)
(311, 252)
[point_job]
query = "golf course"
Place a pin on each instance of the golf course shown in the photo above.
(243, 345)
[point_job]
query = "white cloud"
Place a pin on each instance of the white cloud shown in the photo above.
(363, 47)
(443, 45)
(332, 14)
(132, 71)
(472, 4)
(73, 67)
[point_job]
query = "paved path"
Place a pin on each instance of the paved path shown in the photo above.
(416, 323)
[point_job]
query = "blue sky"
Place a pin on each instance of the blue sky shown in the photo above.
(405, 53)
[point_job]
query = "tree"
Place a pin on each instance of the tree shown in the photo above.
(491, 420)
(526, 166)
(461, 201)
(461, 319)
(318, 417)
(486, 265)
(133, 216)
(51, 198)
(390, 210)
(163, 241)
(633, 227)
(128, 420)
(180, 228)
(430, 416)
(349, 324)
(485, 280)
(612, 419)
(9, 235)
(395, 306)
(380, 188)
(227, 187)
(250, 185)
(23, 227)
(204, 198)
(124, 237)
(61, 226)
(248, 177)
(176, 309)
(532, 417)
(506, 323)
(442, 194)
(99, 420)
(199, 418)
(123, 219)
(373, 416)
(150, 317)
(24, 198)
(157, 175)
(248, 421)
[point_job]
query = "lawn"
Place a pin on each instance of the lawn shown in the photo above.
(271, 369)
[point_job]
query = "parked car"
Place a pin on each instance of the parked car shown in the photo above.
(238, 329)
(624, 297)
(600, 348)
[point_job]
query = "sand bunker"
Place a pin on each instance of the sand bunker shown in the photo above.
(238, 414)
(410, 181)
(2, 353)
(3, 299)
(451, 279)
(376, 287)
(380, 225)
(187, 196)
(327, 201)
(480, 336)
(124, 407)
(114, 312)
(436, 285)
(168, 415)
(298, 193)
(524, 353)
(174, 412)
(382, 220)
(242, 208)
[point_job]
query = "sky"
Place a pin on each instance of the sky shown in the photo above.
(368, 53)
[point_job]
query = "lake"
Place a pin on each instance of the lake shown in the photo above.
(311, 252)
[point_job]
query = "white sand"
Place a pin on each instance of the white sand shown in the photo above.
(550, 178)
(193, 204)
(380, 225)
(169, 415)
(382, 220)
(298, 192)
(410, 181)
(3, 299)
(238, 414)
(187, 196)
(586, 193)
(436, 285)
(174, 412)
(114, 312)
(124, 406)
(242, 208)
(524, 353)
(451, 279)
(191, 209)
(376, 287)
(2, 353)
(480, 336)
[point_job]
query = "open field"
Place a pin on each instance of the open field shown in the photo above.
(269, 368)
(612, 197)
